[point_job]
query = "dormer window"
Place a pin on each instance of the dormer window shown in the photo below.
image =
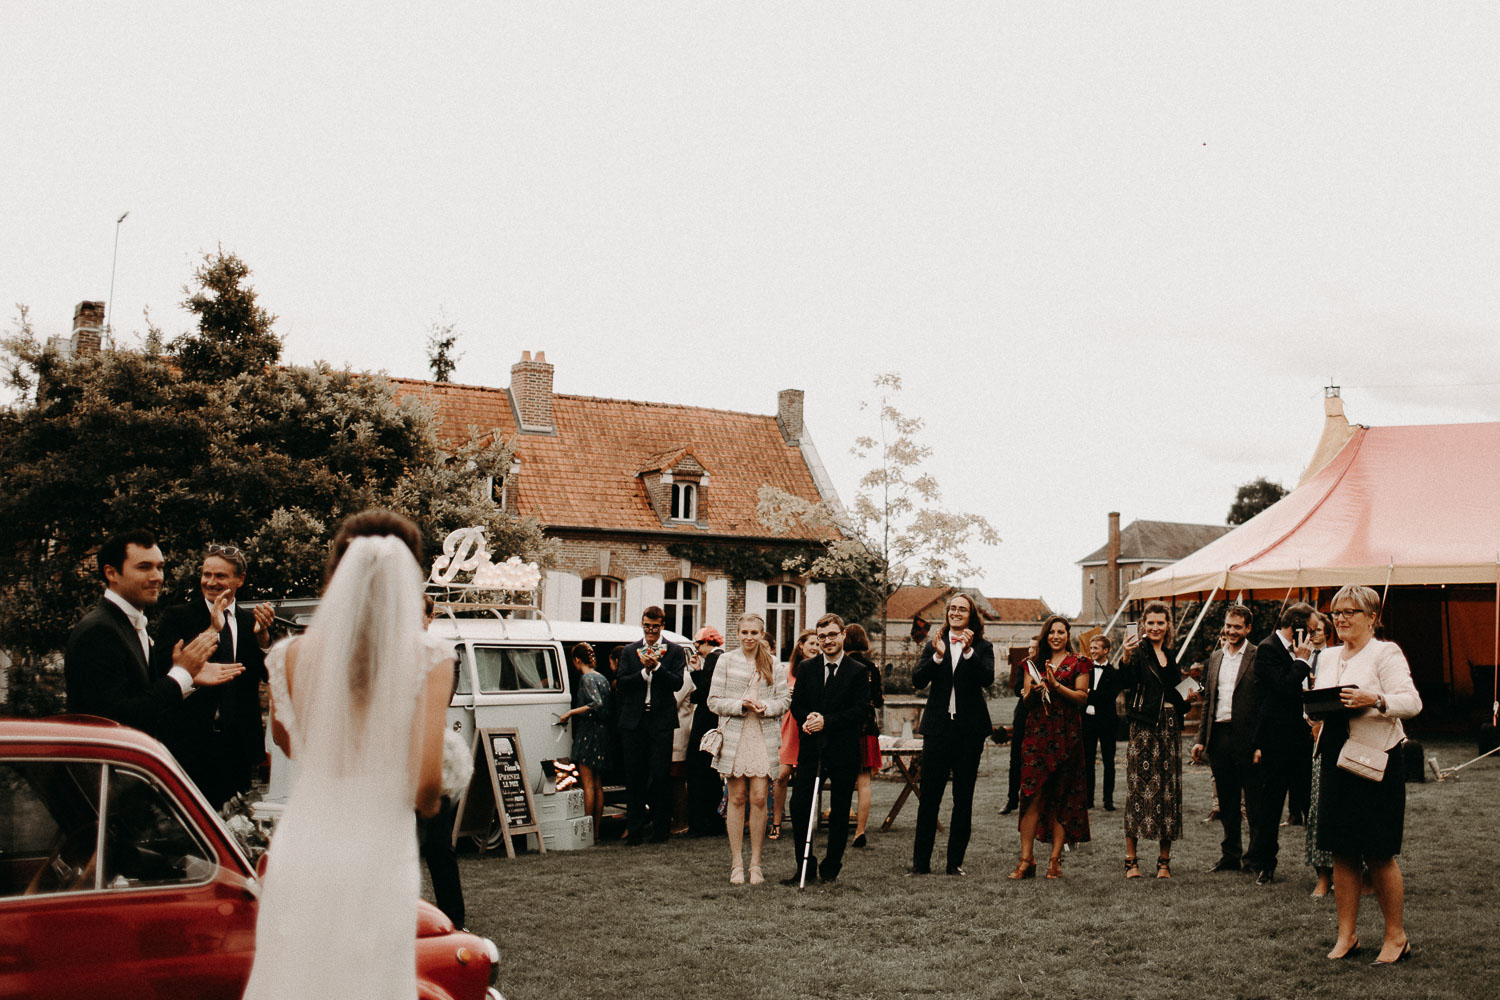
(684, 501)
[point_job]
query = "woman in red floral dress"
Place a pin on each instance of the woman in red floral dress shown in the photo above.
(1054, 783)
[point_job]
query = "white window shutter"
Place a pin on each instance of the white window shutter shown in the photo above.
(817, 604)
(640, 593)
(562, 595)
(755, 598)
(716, 605)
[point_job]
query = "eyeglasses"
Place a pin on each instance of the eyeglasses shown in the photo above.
(1347, 612)
(651, 626)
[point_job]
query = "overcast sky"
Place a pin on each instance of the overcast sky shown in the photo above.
(1116, 250)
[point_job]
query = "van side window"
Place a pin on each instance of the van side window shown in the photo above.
(464, 685)
(516, 668)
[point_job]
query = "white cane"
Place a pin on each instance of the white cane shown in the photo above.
(812, 820)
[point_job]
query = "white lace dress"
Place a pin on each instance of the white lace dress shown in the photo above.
(338, 910)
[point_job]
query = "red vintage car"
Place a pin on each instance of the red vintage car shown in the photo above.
(117, 879)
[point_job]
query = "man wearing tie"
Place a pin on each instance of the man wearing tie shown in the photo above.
(105, 662)
(1282, 739)
(959, 663)
(218, 735)
(1227, 732)
(650, 673)
(829, 704)
(1099, 719)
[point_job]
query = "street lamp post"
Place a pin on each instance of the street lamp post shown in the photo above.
(109, 307)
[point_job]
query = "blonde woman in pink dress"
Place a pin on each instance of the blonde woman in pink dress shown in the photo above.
(748, 694)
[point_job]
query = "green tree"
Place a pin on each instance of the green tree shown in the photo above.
(271, 460)
(234, 333)
(895, 532)
(442, 341)
(1252, 498)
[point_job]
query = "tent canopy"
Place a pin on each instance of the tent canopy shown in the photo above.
(1415, 505)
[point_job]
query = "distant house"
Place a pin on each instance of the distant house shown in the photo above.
(1141, 547)
(621, 483)
(1009, 622)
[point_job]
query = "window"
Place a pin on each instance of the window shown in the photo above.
(505, 669)
(682, 603)
(601, 600)
(684, 502)
(783, 609)
(50, 843)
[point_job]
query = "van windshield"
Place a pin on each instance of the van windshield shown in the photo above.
(516, 668)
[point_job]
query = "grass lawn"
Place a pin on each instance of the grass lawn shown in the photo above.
(662, 920)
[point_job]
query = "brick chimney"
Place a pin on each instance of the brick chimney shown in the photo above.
(531, 393)
(1112, 554)
(789, 415)
(88, 329)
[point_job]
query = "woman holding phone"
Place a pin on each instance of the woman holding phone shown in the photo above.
(1153, 758)
(1053, 782)
(747, 694)
(1360, 816)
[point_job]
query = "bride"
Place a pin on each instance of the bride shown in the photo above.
(358, 702)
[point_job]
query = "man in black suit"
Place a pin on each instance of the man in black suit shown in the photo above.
(1227, 733)
(829, 703)
(218, 734)
(704, 784)
(1283, 741)
(651, 671)
(105, 665)
(1017, 731)
(958, 664)
(1099, 719)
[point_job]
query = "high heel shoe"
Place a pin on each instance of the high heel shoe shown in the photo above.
(1132, 868)
(756, 877)
(1054, 867)
(1163, 867)
(1350, 953)
(1025, 868)
(737, 875)
(1405, 954)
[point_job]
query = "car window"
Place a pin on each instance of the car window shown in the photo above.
(49, 826)
(465, 686)
(146, 841)
(516, 668)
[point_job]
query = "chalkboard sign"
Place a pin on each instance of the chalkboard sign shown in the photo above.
(498, 757)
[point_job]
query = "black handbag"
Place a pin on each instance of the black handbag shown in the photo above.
(1144, 703)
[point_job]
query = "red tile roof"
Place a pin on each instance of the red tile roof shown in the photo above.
(587, 473)
(1020, 609)
(911, 601)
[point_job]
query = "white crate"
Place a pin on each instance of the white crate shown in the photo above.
(560, 805)
(569, 834)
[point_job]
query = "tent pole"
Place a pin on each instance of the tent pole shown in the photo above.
(1387, 588)
(1118, 612)
(1182, 647)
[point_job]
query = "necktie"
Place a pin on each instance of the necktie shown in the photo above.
(225, 652)
(958, 652)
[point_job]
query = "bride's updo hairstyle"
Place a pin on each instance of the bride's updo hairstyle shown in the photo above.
(372, 523)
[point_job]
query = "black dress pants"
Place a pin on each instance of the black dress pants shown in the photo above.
(1099, 744)
(442, 862)
(1235, 776)
(1278, 769)
(648, 780)
(946, 753)
(840, 781)
(704, 789)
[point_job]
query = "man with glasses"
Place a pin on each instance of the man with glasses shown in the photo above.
(217, 734)
(651, 671)
(829, 703)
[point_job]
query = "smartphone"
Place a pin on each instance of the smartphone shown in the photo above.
(1301, 636)
(1132, 631)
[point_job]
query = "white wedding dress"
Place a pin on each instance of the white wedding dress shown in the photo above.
(338, 909)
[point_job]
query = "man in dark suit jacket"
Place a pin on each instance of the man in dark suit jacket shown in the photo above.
(651, 671)
(830, 702)
(704, 784)
(105, 664)
(1282, 739)
(1099, 719)
(218, 734)
(1227, 733)
(957, 665)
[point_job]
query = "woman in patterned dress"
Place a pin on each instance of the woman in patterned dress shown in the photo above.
(590, 730)
(1053, 781)
(1153, 759)
(747, 694)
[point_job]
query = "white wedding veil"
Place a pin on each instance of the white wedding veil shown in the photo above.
(359, 674)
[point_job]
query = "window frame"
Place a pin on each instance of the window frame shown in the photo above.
(776, 610)
(597, 602)
(672, 605)
(684, 502)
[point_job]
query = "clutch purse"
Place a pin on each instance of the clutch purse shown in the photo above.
(1324, 703)
(712, 742)
(1362, 760)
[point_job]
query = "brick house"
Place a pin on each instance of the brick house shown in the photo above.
(1132, 553)
(617, 483)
